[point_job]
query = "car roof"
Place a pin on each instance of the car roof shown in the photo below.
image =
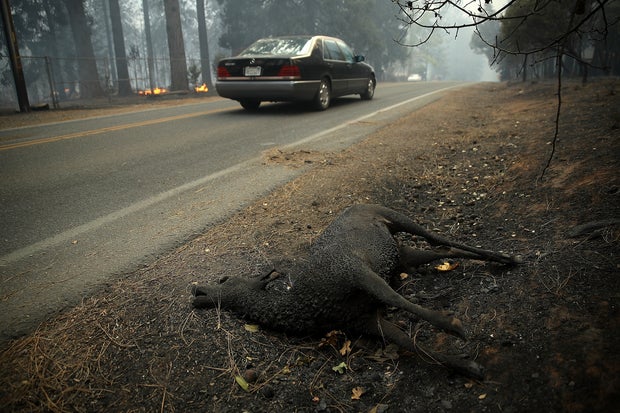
(301, 36)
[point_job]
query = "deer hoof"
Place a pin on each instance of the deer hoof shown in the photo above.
(456, 328)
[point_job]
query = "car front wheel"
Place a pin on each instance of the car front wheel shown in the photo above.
(250, 104)
(323, 95)
(370, 89)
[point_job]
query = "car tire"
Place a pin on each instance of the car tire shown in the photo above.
(323, 95)
(369, 93)
(250, 104)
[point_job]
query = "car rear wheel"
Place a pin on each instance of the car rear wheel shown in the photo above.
(250, 104)
(323, 95)
(370, 89)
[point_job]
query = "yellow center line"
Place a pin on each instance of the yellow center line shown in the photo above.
(104, 130)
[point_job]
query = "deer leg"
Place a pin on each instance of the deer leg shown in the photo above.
(376, 287)
(411, 258)
(381, 327)
(398, 222)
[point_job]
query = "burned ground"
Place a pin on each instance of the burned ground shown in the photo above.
(468, 166)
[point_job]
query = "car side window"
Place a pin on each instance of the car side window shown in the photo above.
(332, 51)
(348, 53)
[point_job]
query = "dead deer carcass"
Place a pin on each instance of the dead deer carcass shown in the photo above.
(344, 283)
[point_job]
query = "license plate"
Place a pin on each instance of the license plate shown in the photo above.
(252, 70)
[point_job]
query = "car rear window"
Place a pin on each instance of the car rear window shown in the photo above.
(279, 47)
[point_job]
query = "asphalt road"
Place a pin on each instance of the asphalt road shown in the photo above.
(86, 201)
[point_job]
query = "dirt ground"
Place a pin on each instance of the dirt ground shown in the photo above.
(468, 166)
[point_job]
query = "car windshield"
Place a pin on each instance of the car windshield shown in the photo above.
(291, 46)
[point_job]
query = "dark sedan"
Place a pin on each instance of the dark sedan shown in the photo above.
(295, 68)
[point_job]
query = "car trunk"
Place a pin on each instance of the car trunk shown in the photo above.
(255, 68)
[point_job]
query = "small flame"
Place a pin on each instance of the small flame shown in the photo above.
(156, 91)
(201, 88)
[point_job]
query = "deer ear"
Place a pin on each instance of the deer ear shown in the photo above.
(271, 275)
(274, 274)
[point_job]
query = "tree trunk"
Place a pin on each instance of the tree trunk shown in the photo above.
(205, 62)
(53, 48)
(149, 42)
(124, 87)
(110, 73)
(176, 48)
(15, 60)
(87, 66)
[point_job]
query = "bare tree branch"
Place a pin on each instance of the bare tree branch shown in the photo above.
(527, 28)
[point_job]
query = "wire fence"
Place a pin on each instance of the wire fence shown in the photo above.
(54, 80)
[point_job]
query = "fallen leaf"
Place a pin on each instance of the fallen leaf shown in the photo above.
(340, 368)
(252, 328)
(316, 399)
(404, 275)
(356, 393)
(469, 385)
(346, 348)
(446, 266)
(331, 338)
(303, 360)
(242, 383)
(482, 396)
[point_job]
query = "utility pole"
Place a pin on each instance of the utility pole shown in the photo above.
(16, 61)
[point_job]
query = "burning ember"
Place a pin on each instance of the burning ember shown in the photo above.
(201, 88)
(156, 91)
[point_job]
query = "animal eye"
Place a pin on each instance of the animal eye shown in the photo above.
(223, 279)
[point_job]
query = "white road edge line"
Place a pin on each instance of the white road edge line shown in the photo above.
(361, 118)
(73, 233)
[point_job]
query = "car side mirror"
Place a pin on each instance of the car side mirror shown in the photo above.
(358, 59)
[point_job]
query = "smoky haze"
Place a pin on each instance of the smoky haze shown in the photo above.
(464, 64)
(73, 49)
